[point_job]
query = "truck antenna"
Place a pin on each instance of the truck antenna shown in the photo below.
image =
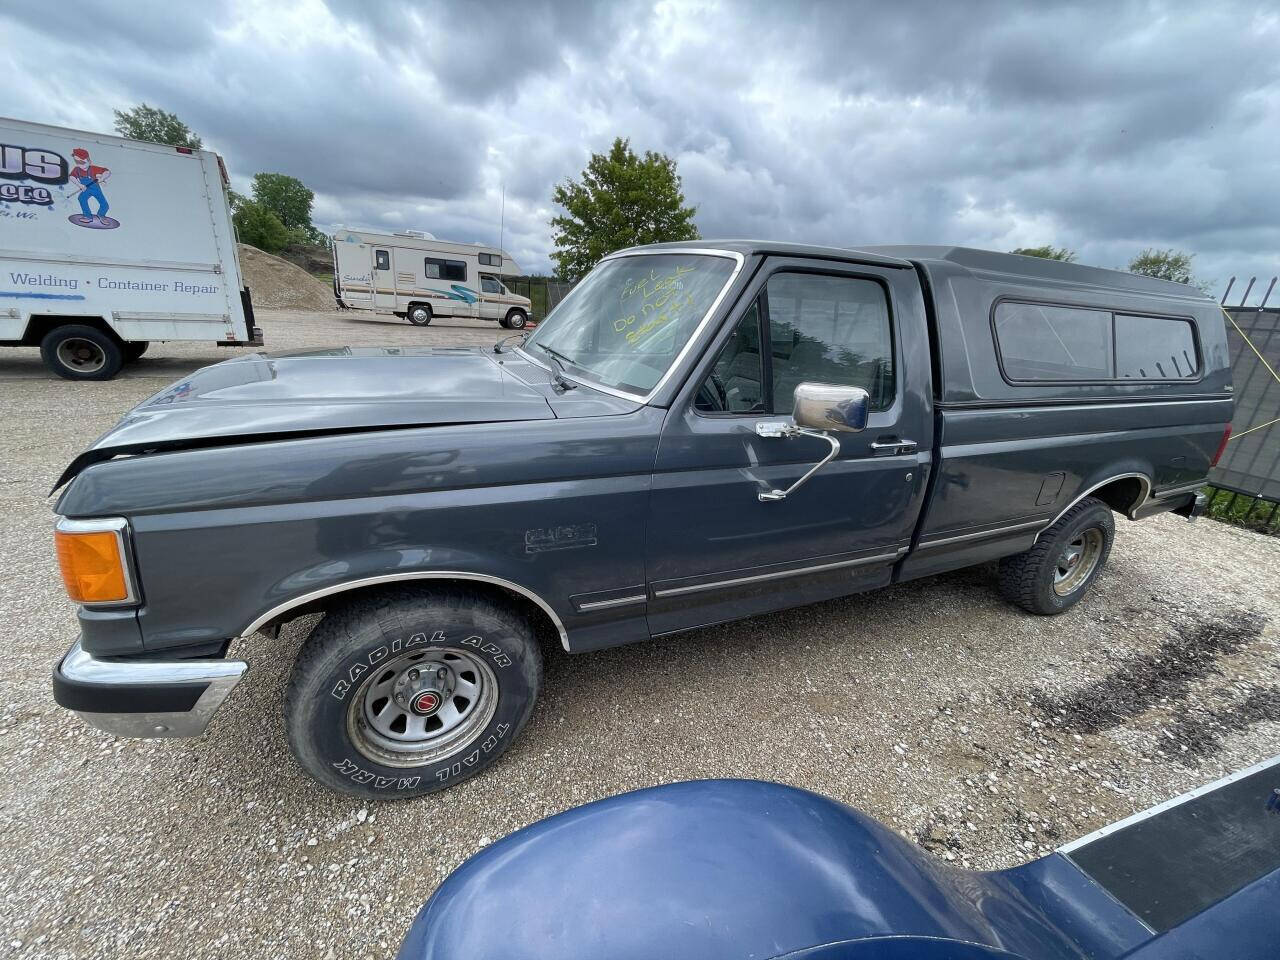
(502, 217)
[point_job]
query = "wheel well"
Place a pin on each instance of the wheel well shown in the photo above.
(419, 303)
(547, 629)
(1121, 495)
(39, 326)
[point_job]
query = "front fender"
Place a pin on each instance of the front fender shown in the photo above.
(715, 869)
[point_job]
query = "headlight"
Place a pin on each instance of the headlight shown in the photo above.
(91, 555)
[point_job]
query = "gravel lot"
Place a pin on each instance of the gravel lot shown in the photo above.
(987, 735)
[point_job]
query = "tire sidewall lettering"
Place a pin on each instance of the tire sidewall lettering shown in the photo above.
(359, 773)
(359, 666)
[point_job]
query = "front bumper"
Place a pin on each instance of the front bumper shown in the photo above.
(144, 698)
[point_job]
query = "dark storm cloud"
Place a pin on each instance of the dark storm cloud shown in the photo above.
(139, 27)
(483, 50)
(1104, 127)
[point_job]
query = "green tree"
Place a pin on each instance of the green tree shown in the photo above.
(155, 125)
(623, 200)
(285, 196)
(259, 227)
(1163, 265)
(1048, 252)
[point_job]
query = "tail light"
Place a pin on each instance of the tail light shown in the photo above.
(91, 555)
(1222, 446)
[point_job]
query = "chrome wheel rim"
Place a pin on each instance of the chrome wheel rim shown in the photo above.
(422, 706)
(81, 355)
(1077, 561)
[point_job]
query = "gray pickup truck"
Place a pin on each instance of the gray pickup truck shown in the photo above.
(699, 432)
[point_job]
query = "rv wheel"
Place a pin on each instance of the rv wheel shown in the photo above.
(420, 315)
(78, 352)
(516, 319)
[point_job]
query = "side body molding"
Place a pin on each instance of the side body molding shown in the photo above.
(349, 585)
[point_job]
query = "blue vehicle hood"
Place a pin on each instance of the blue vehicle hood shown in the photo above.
(739, 869)
(350, 389)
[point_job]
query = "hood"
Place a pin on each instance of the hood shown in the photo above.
(309, 393)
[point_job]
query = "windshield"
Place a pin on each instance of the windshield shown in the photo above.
(624, 325)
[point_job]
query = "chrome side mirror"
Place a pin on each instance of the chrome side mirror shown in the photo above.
(820, 409)
(828, 406)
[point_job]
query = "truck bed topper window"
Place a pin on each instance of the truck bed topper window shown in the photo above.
(1056, 343)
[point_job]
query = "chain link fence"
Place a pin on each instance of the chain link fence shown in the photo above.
(543, 293)
(1245, 485)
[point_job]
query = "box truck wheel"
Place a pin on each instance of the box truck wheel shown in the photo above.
(75, 351)
(515, 320)
(419, 314)
(133, 349)
(408, 691)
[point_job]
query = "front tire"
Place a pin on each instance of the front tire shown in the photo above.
(1055, 574)
(419, 315)
(133, 349)
(516, 319)
(75, 351)
(406, 692)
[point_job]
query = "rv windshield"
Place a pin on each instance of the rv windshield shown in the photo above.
(625, 323)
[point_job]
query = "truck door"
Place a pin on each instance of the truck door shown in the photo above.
(715, 549)
(384, 281)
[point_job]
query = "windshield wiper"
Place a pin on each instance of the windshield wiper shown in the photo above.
(558, 360)
(522, 337)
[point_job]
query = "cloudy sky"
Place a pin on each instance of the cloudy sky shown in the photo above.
(1105, 127)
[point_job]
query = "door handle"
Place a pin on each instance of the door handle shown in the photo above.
(892, 447)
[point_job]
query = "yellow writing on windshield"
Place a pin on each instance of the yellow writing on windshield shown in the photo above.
(649, 285)
(661, 317)
(659, 303)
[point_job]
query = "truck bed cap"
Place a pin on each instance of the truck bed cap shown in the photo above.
(1013, 264)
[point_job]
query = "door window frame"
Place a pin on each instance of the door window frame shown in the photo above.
(757, 290)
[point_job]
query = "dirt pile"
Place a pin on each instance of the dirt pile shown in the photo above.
(273, 282)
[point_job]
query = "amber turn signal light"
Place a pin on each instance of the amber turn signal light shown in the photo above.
(92, 561)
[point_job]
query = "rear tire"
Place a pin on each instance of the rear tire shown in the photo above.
(75, 351)
(1055, 574)
(516, 319)
(419, 315)
(408, 691)
(133, 349)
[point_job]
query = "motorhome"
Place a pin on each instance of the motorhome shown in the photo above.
(108, 244)
(417, 277)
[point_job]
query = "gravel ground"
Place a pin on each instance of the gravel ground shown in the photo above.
(986, 735)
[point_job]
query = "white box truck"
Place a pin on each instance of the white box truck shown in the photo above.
(415, 276)
(107, 244)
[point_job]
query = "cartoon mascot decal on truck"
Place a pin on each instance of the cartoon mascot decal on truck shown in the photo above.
(90, 178)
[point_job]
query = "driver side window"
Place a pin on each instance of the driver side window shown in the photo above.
(819, 328)
(736, 383)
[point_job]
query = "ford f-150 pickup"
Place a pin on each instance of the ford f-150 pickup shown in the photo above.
(699, 432)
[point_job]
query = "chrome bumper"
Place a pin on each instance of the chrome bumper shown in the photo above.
(144, 698)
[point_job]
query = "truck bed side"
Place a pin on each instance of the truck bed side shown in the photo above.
(1013, 456)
